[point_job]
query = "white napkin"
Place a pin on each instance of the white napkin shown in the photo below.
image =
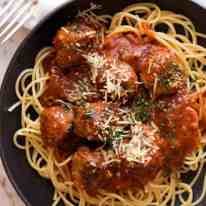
(44, 7)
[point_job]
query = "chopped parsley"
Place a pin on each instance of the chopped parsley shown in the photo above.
(172, 75)
(114, 136)
(109, 142)
(161, 106)
(142, 109)
(118, 134)
(167, 83)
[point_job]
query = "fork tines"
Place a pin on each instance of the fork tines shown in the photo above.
(13, 15)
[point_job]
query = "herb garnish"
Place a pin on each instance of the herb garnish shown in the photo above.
(172, 75)
(165, 82)
(142, 109)
(118, 134)
(114, 135)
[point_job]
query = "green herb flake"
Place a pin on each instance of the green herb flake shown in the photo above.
(142, 109)
(109, 142)
(118, 134)
(173, 75)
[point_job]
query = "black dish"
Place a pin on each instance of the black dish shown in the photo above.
(33, 189)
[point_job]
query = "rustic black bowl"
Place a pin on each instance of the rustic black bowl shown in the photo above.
(34, 190)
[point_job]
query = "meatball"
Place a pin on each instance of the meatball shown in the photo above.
(94, 170)
(122, 52)
(74, 34)
(160, 70)
(187, 128)
(179, 125)
(118, 80)
(65, 58)
(125, 47)
(72, 39)
(68, 42)
(91, 118)
(83, 163)
(55, 123)
(74, 87)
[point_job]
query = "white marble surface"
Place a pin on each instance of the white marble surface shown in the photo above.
(8, 196)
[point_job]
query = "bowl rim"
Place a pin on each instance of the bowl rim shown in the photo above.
(6, 78)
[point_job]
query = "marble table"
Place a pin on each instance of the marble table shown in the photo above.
(8, 197)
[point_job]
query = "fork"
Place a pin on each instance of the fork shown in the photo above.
(13, 15)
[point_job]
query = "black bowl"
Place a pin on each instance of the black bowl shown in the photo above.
(33, 189)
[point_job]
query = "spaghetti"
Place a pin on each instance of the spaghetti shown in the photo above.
(142, 19)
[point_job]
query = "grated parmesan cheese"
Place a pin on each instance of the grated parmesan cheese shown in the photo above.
(112, 74)
(96, 61)
(113, 84)
(150, 66)
(141, 145)
(65, 30)
(115, 76)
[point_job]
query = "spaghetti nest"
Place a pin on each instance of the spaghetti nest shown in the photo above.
(180, 36)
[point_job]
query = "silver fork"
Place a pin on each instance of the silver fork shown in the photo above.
(13, 15)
